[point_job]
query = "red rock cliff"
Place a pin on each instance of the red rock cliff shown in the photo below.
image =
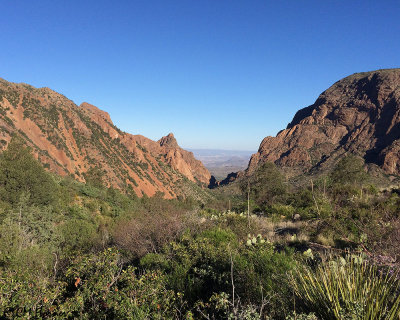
(70, 140)
(359, 114)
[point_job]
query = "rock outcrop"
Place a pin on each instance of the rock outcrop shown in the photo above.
(70, 139)
(359, 114)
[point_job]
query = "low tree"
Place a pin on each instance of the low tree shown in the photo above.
(266, 184)
(95, 177)
(349, 170)
(21, 173)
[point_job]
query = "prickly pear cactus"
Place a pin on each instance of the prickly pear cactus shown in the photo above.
(255, 240)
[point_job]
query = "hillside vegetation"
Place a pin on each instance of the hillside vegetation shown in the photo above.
(70, 249)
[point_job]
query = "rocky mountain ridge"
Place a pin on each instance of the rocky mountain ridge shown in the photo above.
(359, 114)
(70, 139)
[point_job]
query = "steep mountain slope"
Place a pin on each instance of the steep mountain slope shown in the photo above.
(359, 114)
(69, 140)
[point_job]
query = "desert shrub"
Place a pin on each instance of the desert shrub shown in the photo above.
(261, 278)
(25, 296)
(344, 194)
(240, 226)
(282, 210)
(301, 198)
(310, 203)
(384, 240)
(239, 223)
(95, 177)
(120, 203)
(197, 267)
(97, 286)
(301, 316)
(158, 205)
(17, 252)
(221, 306)
(78, 235)
(76, 211)
(147, 233)
(37, 223)
(90, 191)
(348, 288)
(28, 239)
(204, 266)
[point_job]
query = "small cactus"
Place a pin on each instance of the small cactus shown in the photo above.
(254, 240)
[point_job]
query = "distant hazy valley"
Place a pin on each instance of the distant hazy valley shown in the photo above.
(222, 162)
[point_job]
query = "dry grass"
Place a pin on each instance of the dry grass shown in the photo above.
(281, 231)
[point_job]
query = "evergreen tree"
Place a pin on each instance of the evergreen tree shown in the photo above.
(349, 170)
(21, 173)
(266, 184)
(95, 177)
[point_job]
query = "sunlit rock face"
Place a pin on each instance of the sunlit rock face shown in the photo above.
(70, 139)
(359, 114)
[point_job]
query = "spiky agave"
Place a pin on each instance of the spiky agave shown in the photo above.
(348, 288)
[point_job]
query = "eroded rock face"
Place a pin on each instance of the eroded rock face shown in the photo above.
(69, 140)
(359, 114)
(183, 161)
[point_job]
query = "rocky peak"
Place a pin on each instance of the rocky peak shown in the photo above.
(70, 140)
(359, 114)
(95, 112)
(168, 141)
(101, 118)
(366, 91)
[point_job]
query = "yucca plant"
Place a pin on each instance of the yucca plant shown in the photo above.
(348, 288)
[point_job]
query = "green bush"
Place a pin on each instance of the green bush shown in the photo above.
(92, 287)
(28, 239)
(99, 287)
(261, 277)
(25, 296)
(78, 236)
(21, 173)
(205, 265)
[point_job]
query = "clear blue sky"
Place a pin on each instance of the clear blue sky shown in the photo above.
(217, 73)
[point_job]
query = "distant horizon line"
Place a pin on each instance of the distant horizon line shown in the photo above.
(217, 149)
